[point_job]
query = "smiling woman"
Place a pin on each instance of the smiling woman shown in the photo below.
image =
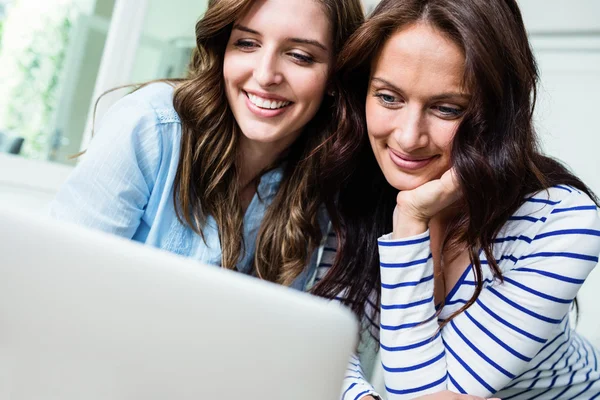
(413, 120)
(471, 246)
(213, 166)
(275, 74)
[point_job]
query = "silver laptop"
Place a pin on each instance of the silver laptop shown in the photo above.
(88, 316)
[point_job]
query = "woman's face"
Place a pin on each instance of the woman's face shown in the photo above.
(276, 69)
(414, 105)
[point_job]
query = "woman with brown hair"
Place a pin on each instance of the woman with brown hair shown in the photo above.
(214, 166)
(451, 227)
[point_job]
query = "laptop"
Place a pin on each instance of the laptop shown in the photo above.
(85, 315)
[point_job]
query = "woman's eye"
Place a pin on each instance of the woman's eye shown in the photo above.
(387, 98)
(303, 58)
(244, 44)
(449, 111)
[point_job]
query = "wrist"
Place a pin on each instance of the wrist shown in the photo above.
(407, 226)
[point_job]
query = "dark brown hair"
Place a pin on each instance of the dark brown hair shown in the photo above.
(206, 182)
(495, 150)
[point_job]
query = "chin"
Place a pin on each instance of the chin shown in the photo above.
(401, 186)
(402, 181)
(260, 134)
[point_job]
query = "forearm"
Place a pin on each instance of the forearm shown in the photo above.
(355, 386)
(412, 352)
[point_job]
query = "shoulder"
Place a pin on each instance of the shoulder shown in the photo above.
(328, 251)
(560, 219)
(141, 129)
(154, 100)
(142, 120)
(148, 107)
(547, 205)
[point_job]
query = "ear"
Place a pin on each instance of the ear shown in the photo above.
(331, 89)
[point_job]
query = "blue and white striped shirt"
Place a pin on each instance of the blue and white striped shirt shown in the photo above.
(515, 342)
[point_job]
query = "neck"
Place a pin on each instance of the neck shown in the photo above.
(255, 158)
(438, 225)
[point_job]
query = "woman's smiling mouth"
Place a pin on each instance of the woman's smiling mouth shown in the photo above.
(268, 104)
(409, 162)
(266, 107)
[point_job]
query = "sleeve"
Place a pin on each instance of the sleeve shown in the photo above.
(484, 348)
(109, 189)
(355, 386)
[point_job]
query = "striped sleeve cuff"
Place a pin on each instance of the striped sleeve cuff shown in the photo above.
(388, 241)
(358, 390)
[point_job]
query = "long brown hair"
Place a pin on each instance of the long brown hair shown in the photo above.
(207, 183)
(494, 152)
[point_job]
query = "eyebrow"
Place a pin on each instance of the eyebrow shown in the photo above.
(441, 96)
(309, 42)
(291, 39)
(245, 29)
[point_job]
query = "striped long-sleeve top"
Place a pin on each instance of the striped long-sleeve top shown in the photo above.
(515, 341)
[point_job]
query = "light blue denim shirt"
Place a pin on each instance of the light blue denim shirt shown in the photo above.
(124, 184)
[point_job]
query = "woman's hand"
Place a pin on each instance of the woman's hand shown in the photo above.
(448, 395)
(445, 395)
(414, 208)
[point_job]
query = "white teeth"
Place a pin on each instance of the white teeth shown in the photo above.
(267, 104)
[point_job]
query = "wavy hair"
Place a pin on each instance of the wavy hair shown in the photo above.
(494, 152)
(206, 181)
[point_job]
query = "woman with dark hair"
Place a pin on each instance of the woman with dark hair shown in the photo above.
(213, 166)
(451, 227)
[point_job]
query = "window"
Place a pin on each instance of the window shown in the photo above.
(58, 56)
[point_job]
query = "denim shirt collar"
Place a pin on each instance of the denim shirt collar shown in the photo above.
(266, 191)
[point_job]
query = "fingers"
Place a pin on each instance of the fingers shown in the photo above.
(470, 397)
(466, 397)
(450, 182)
(427, 200)
(448, 395)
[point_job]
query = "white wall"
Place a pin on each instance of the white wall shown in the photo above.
(560, 15)
(369, 4)
(566, 39)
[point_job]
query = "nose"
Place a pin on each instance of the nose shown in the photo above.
(411, 129)
(266, 71)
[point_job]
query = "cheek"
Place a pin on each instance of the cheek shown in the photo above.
(378, 121)
(235, 68)
(227, 65)
(308, 85)
(444, 135)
